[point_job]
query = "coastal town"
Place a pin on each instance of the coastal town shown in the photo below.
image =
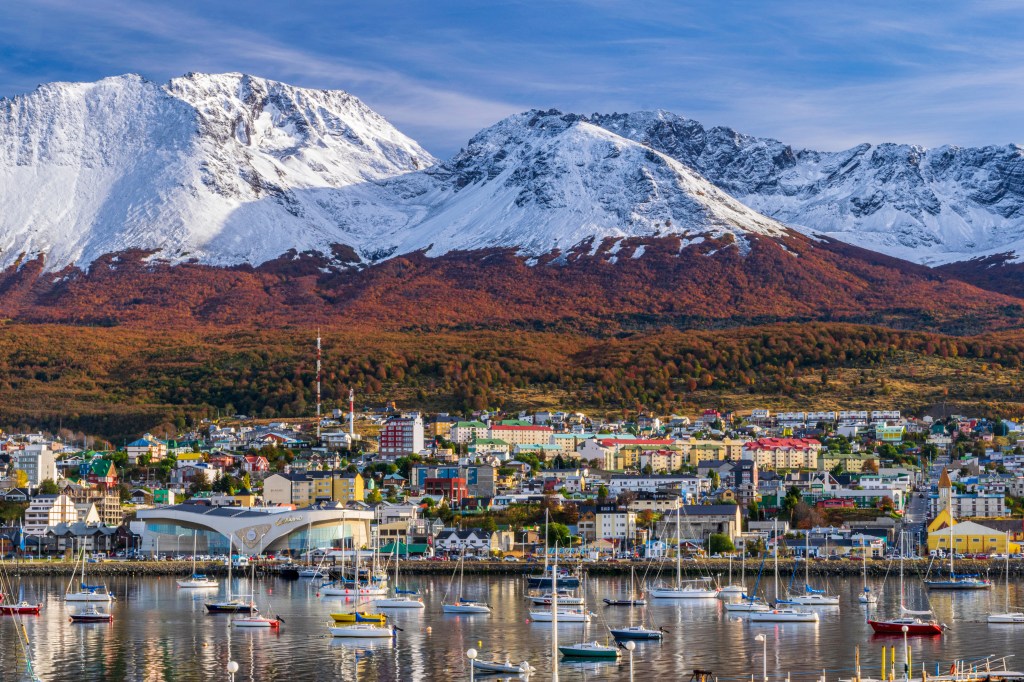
(842, 484)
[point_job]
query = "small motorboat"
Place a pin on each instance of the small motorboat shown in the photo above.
(589, 650)
(359, 617)
(92, 614)
(362, 631)
(507, 667)
(22, 608)
(197, 581)
(1006, 618)
(635, 632)
(465, 606)
(811, 599)
(231, 606)
(624, 602)
(783, 616)
(747, 606)
(256, 622)
(310, 573)
(567, 616)
(564, 598)
(399, 602)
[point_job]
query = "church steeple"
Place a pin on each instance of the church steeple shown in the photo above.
(945, 493)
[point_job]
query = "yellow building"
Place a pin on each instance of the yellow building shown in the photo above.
(309, 488)
(705, 450)
(967, 537)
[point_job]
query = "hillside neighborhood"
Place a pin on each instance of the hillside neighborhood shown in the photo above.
(479, 484)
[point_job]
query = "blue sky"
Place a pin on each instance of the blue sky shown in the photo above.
(812, 73)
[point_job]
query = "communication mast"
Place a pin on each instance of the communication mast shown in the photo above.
(318, 420)
(351, 415)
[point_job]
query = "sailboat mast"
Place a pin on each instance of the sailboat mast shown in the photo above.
(775, 532)
(1007, 552)
(679, 553)
(554, 609)
(951, 574)
(807, 559)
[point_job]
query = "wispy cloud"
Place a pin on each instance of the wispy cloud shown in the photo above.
(814, 74)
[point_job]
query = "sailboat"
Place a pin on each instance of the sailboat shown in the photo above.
(635, 631)
(461, 605)
(635, 598)
(955, 581)
(750, 602)
(196, 580)
(91, 613)
(698, 588)
(360, 625)
(231, 604)
(908, 619)
(398, 601)
(546, 579)
(866, 596)
(1007, 617)
(87, 593)
(734, 588)
(254, 620)
(579, 614)
(564, 597)
(783, 615)
(373, 588)
(811, 596)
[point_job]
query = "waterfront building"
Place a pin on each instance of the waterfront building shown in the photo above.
(49, 510)
(254, 529)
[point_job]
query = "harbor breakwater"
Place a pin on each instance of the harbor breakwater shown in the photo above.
(689, 568)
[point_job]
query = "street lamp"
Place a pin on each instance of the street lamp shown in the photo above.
(906, 659)
(177, 544)
(764, 656)
(232, 669)
(471, 655)
(630, 645)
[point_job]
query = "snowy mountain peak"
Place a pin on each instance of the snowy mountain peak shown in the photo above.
(544, 180)
(926, 205)
(226, 168)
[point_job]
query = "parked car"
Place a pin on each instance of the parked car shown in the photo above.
(510, 558)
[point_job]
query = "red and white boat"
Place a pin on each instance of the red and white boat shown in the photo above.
(915, 627)
(24, 608)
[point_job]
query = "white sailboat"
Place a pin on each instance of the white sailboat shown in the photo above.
(810, 597)
(866, 595)
(573, 615)
(735, 588)
(231, 604)
(196, 580)
(86, 592)
(254, 620)
(460, 604)
(635, 599)
(1007, 617)
(398, 601)
(776, 614)
(698, 588)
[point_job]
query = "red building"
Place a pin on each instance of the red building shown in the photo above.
(453, 489)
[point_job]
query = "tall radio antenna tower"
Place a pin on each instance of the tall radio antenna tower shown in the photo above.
(318, 385)
(351, 414)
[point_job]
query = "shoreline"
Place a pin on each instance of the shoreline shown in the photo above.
(844, 568)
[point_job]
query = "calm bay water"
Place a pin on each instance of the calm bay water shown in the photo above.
(162, 634)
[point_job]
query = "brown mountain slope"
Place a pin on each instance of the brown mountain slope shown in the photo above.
(616, 286)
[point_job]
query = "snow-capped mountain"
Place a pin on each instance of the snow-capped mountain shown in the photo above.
(541, 181)
(926, 205)
(223, 168)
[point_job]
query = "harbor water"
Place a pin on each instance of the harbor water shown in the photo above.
(161, 633)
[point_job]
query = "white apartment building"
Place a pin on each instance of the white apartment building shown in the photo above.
(611, 523)
(38, 461)
(49, 510)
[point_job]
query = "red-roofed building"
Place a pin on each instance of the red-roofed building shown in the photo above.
(783, 453)
(255, 464)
